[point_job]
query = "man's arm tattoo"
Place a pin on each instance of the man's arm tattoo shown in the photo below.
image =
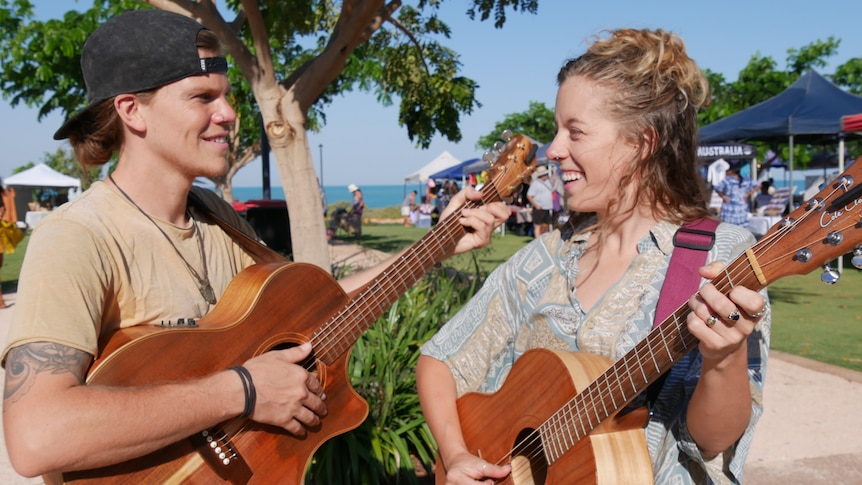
(25, 362)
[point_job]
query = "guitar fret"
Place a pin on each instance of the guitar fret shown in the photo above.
(557, 448)
(602, 401)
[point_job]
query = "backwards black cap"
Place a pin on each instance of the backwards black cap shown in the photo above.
(138, 51)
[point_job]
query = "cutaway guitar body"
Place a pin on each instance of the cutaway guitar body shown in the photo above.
(228, 336)
(512, 426)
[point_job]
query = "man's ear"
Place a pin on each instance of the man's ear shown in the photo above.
(128, 108)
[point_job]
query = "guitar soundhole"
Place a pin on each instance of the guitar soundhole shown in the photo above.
(309, 363)
(529, 465)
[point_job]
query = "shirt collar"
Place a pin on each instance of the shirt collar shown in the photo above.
(660, 237)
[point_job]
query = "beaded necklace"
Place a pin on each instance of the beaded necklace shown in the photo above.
(204, 285)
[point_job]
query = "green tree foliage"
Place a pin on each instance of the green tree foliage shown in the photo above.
(537, 123)
(761, 79)
(295, 57)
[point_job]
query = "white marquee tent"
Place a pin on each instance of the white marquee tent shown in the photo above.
(38, 177)
(42, 176)
(442, 162)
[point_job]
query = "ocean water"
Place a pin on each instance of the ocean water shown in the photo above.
(376, 196)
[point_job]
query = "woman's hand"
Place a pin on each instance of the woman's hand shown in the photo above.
(467, 468)
(721, 322)
(479, 222)
(720, 407)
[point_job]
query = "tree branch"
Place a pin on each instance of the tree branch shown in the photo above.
(205, 12)
(260, 37)
(412, 38)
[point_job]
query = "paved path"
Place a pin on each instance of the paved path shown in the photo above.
(811, 430)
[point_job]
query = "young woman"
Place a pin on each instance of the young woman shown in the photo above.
(626, 144)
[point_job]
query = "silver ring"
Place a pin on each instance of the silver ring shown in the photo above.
(734, 315)
(711, 321)
(761, 312)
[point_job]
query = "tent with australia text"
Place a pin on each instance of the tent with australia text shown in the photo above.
(808, 111)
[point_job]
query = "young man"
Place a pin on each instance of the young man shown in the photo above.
(540, 194)
(132, 251)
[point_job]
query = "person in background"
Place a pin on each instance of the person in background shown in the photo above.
(430, 190)
(626, 141)
(135, 251)
(767, 189)
(408, 206)
(541, 197)
(735, 192)
(354, 219)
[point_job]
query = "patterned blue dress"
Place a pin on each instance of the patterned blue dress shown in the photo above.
(531, 301)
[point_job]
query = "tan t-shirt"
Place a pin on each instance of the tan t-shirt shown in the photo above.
(98, 264)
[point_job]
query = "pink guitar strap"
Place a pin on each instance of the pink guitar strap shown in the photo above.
(692, 242)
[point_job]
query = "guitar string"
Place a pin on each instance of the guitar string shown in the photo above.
(333, 332)
(769, 241)
(449, 226)
(738, 268)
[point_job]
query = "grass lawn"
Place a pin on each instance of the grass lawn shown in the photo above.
(810, 319)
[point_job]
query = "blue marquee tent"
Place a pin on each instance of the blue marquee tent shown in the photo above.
(461, 170)
(809, 111)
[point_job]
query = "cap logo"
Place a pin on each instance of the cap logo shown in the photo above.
(214, 64)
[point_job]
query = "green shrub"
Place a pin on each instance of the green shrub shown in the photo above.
(394, 441)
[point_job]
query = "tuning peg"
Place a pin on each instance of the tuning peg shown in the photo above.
(507, 135)
(829, 276)
(816, 203)
(835, 238)
(844, 182)
(488, 157)
(856, 260)
(499, 146)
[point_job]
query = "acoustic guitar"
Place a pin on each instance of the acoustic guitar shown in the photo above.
(571, 431)
(269, 306)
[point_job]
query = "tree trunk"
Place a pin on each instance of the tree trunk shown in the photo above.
(289, 143)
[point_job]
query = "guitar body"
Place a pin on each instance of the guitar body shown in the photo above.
(287, 304)
(272, 306)
(613, 453)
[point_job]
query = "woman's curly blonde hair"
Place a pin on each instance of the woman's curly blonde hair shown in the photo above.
(656, 91)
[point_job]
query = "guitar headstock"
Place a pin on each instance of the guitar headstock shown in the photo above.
(822, 229)
(511, 164)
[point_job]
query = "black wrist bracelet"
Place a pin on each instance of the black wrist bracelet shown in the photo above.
(248, 388)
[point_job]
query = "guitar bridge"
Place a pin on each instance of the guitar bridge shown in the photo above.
(218, 453)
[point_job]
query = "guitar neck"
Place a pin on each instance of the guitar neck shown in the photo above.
(632, 374)
(514, 163)
(341, 332)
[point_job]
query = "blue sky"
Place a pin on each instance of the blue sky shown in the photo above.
(363, 144)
